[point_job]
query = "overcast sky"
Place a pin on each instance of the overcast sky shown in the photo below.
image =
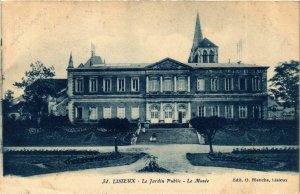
(143, 32)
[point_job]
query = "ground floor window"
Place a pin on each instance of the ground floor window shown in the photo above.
(201, 111)
(215, 111)
(168, 113)
(135, 112)
(121, 112)
(93, 113)
(243, 112)
(256, 112)
(229, 111)
(154, 113)
(78, 113)
(106, 112)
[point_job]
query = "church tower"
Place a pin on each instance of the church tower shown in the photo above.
(203, 50)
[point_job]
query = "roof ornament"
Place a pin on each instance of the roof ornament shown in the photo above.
(70, 61)
(93, 48)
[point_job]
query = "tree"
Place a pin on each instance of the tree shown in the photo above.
(7, 101)
(208, 127)
(285, 85)
(37, 89)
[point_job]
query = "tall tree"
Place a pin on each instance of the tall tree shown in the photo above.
(285, 85)
(36, 90)
(7, 101)
(208, 127)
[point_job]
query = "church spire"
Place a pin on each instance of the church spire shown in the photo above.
(198, 33)
(70, 61)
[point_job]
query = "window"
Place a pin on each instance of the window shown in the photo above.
(93, 113)
(243, 112)
(78, 113)
(242, 84)
(135, 112)
(215, 111)
(121, 85)
(200, 84)
(228, 84)
(211, 56)
(214, 84)
(135, 84)
(93, 85)
(168, 84)
(255, 84)
(154, 113)
(204, 57)
(201, 111)
(79, 85)
(106, 112)
(121, 112)
(182, 84)
(153, 85)
(256, 112)
(229, 111)
(168, 113)
(107, 85)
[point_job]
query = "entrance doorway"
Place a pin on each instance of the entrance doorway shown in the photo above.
(168, 115)
(154, 114)
(181, 116)
(256, 112)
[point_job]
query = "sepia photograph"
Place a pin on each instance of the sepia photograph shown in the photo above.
(149, 97)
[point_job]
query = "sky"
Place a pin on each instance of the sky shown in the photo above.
(143, 32)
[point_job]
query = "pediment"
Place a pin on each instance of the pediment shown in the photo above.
(168, 64)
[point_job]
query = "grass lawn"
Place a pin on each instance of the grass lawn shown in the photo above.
(269, 161)
(35, 163)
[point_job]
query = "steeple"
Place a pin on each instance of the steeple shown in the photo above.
(70, 61)
(93, 48)
(198, 33)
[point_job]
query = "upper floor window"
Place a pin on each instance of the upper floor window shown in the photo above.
(214, 84)
(106, 84)
(215, 111)
(229, 111)
(242, 83)
(135, 84)
(200, 84)
(79, 85)
(243, 112)
(182, 84)
(201, 111)
(204, 57)
(121, 84)
(167, 84)
(93, 85)
(106, 112)
(121, 112)
(255, 84)
(153, 85)
(228, 84)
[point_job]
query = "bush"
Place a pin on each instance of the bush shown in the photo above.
(120, 125)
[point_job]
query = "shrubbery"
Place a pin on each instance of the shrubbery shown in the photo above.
(115, 125)
(265, 150)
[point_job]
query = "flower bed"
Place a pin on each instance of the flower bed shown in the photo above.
(94, 158)
(265, 150)
(227, 157)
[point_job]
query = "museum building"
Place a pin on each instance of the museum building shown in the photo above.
(167, 91)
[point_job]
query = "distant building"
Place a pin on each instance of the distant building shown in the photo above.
(168, 91)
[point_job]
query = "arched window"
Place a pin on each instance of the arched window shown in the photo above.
(196, 58)
(204, 57)
(211, 56)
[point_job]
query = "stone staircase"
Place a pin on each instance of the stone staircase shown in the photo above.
(168, 136)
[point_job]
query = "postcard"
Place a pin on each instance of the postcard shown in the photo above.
(166, 97)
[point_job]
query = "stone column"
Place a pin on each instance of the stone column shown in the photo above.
(161, 118)
(147, 84)
(71, 111)
(148, 112)
(161, 84)
(188, 84)
(175, 113)
(189, 112)
(175, 83)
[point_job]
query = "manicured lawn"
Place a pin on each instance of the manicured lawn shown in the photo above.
(268, 161)
(43, 162)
